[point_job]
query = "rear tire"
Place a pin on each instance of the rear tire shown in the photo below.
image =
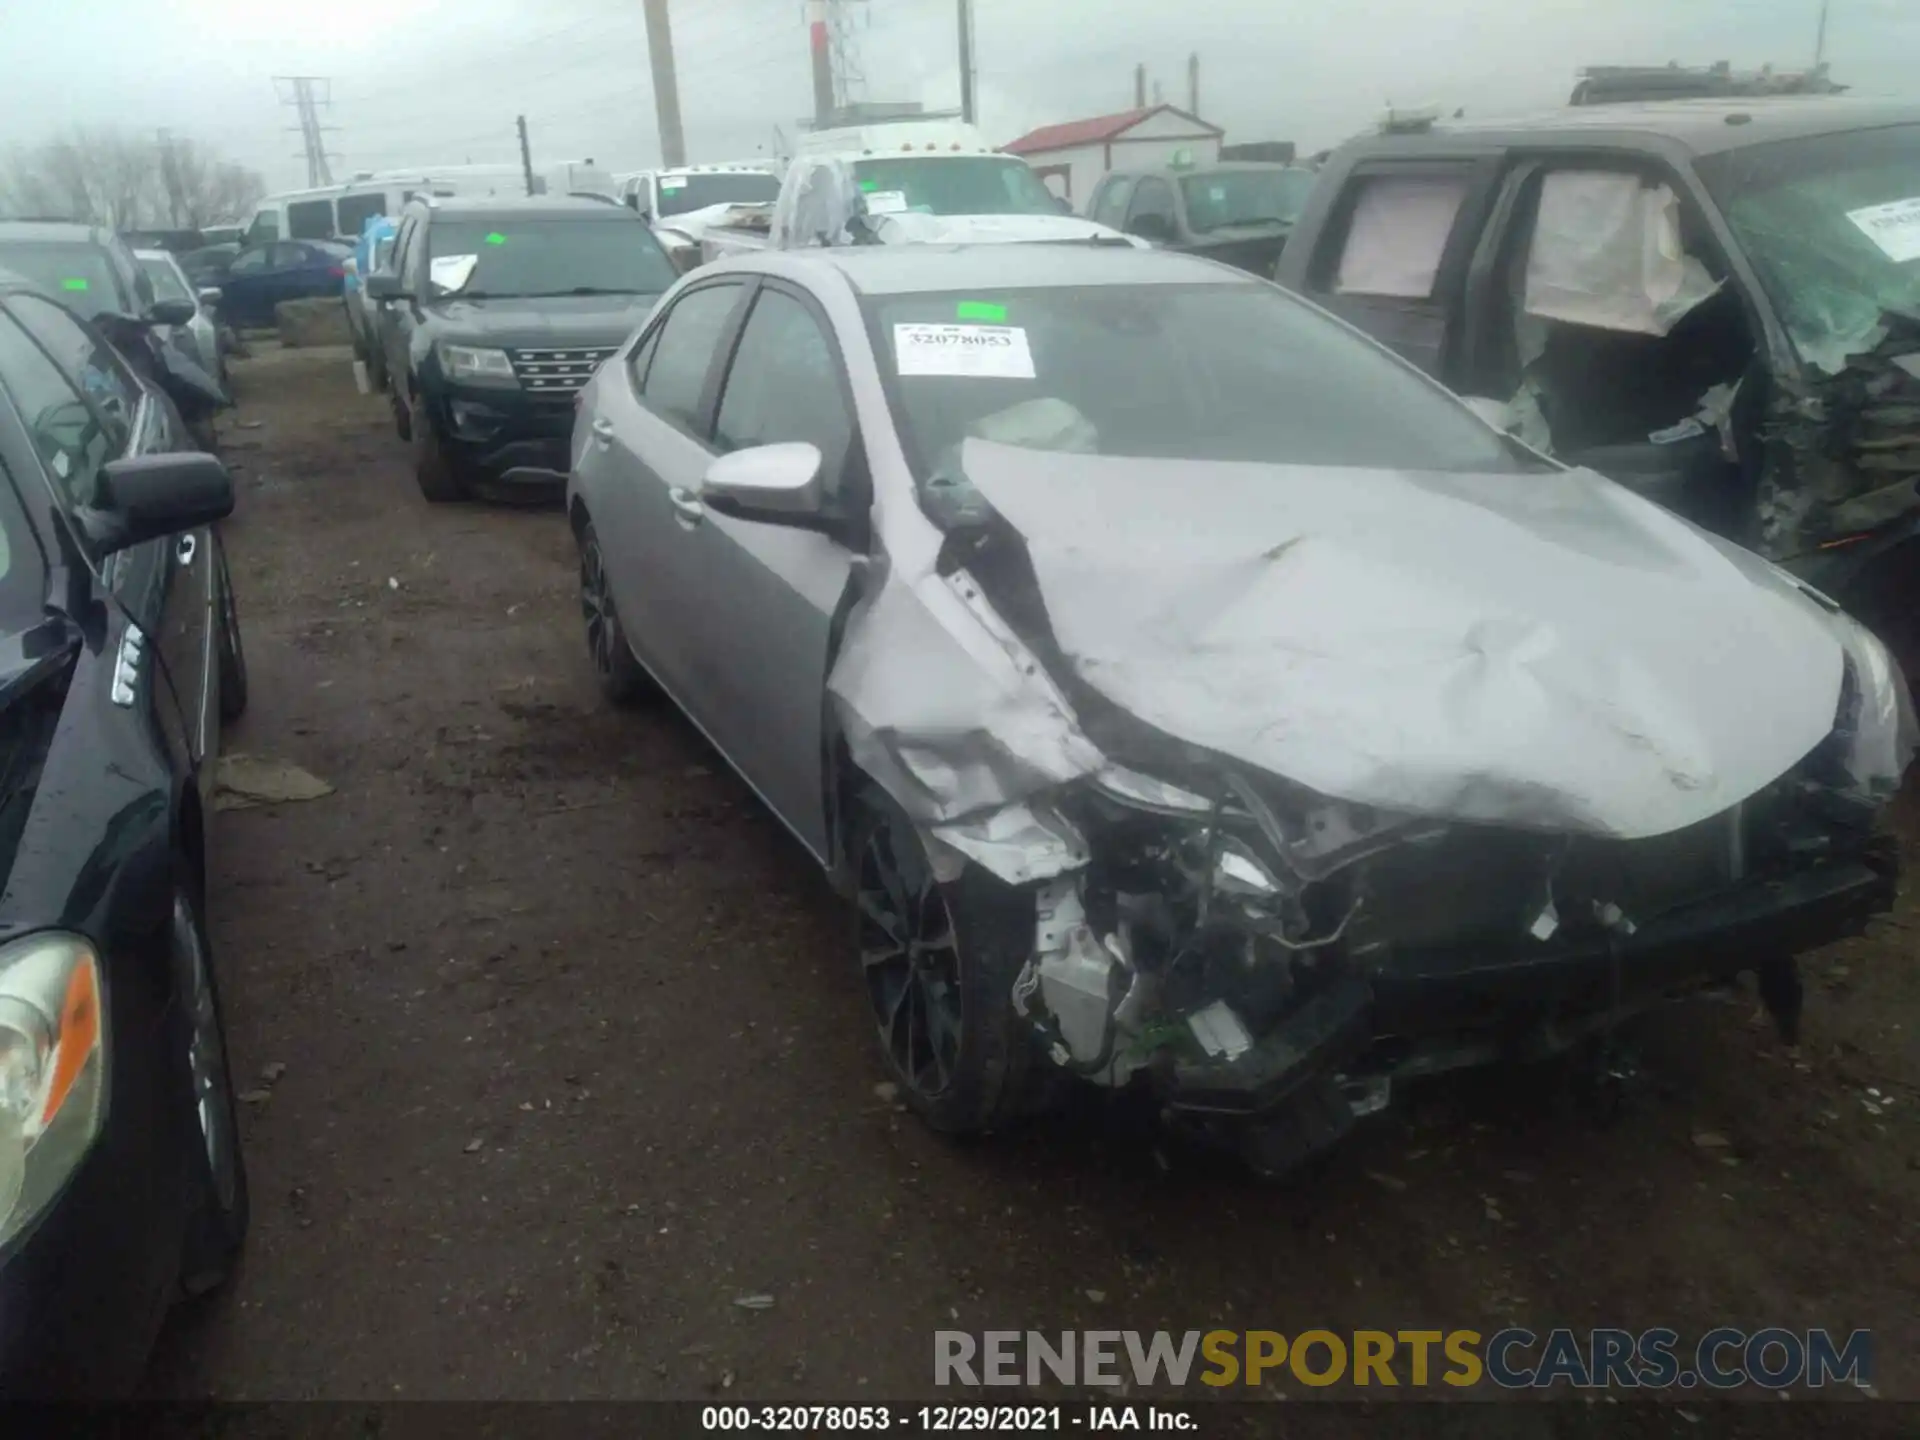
(623, 680)
(938, 962)
(434, 471)
(217, 1228)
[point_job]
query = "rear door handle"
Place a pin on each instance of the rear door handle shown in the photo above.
(686, 506)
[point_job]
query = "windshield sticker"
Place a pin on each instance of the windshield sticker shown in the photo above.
(73, 284)
(1216, 192)
(886, 202)
(673, 182)
(1894, 227)
(980, 311)
(869, 184)
(996, 352)
(450, 272)
(496, 238)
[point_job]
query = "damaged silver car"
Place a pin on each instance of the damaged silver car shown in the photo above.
(1192, 695)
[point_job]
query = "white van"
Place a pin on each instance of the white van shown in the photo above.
(340, 212)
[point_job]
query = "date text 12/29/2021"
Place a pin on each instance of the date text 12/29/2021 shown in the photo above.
(1092, 1419)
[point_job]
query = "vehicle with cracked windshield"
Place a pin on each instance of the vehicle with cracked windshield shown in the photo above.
(490, 316)
(1192, 696)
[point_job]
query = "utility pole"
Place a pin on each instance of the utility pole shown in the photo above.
(822, 63)
(169, 176)
(1820, 41)
(666, 85)
(966, 61)
(307, 93)
(1193, 83)
(526, 154)
(1140, 86)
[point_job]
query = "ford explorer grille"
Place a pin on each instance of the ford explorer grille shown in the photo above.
(557, 372)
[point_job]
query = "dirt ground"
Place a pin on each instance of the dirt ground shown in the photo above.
(574, 1056)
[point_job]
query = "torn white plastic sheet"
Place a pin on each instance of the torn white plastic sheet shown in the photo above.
(1398, 233)
(1544, 650)
(1606, 252)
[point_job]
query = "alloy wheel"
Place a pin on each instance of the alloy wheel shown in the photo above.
(910, 958)
(596, 605)
(206, 1054)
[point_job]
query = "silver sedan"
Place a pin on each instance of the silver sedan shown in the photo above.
(1191, 695)
(199, 338)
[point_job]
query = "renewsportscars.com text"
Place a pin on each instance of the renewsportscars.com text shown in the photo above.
(1512, 1359)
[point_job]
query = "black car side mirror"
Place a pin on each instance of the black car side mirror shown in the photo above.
(385, 287)
(149, 497)
(171, 312)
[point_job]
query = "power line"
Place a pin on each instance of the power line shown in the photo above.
(307, 93)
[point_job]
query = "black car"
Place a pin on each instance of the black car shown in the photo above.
(492, 317)
(1715, 303)
(1238, 213)
(121, 1184)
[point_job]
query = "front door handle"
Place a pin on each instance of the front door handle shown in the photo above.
(603, 431)
(184, 552)
(687, 508)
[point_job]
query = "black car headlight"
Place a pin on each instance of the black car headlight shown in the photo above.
(53, 1042)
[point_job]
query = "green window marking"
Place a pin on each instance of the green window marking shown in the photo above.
(982, 311)
(73, 284)
(496, 238)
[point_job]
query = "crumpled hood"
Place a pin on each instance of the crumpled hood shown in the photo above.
(541, 321)
(1545, 650)
(910, 228)
(694, 224)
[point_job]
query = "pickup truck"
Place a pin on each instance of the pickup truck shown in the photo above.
(1715, 303)
(907, 182)
(683, 203)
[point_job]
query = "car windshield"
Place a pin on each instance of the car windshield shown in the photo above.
(167, 284)
(1200, 372)
(76, 272)
(514, 255)
(1832, 225)
(1220, 198)
(681, 193)
(957, 184)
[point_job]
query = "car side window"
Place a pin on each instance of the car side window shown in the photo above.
(785, 385)
(1110, 205)
(87, 361)
(249, 261)
(683, 354)
(1153, 201)
(287, 256)
(1396, 235)
(414, 263)
(73, 443)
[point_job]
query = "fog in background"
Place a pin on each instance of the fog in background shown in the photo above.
(417, 82)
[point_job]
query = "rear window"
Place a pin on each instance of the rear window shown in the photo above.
(310, 220)
(682, 193)
(1200, 372)
(1224, 198)
(954, 185)
(355, 210)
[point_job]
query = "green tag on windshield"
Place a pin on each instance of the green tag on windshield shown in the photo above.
(73, 284)
(496, 238)
(869, 184)
(980, 311)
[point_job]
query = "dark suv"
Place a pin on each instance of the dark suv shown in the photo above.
(491, 317)
(1240, 214)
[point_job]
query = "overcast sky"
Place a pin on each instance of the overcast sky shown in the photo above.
(427, 81)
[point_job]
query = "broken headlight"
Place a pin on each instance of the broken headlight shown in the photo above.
(1144, 792)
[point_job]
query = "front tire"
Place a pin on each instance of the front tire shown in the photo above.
(217, 1227)
(938, 962)
(623, 680)
(434, 471)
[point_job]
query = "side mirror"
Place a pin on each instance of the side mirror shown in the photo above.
(384, 286)
(149, 497)
(170, 312)
(778, 484)
(210, 296)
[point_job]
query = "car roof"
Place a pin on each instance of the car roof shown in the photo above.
(52, 230)
(1024, 265)
(1175, 172)
(154, 253)
(490, 207)
(1700, 127)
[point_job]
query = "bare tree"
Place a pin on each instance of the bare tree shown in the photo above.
(113, 177)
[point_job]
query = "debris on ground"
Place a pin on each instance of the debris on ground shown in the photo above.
(255, 1097)
(272, 1071)
(474, 1144)
(754, 1302)
(1710, 1140)
(241, 782)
